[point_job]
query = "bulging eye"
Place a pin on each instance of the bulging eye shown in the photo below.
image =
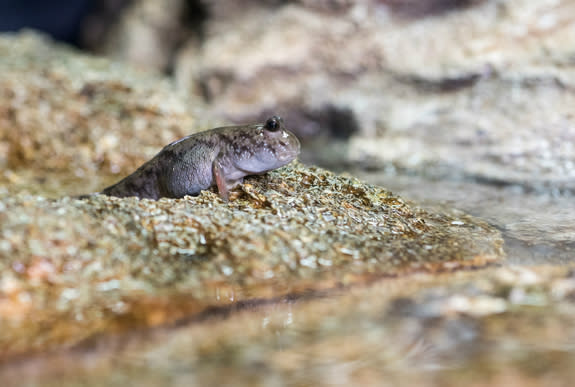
(273, 124)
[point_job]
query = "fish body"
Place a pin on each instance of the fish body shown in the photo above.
(219, 157)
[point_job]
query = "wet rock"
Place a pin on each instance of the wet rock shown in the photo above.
(71, 269)
(101, 259)
(537, 226)
(356, 338)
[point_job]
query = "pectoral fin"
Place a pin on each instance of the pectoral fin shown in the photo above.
(221, 171)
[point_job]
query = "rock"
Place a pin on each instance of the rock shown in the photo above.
(426, 330)
(537, 227)
(143, 33)
(62, 111)
(72, 269)
(483, 92)
(104, 262)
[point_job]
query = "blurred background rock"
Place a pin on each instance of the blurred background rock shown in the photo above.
(478, 89)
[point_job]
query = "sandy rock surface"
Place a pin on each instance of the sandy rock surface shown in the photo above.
(74, 268)
(64, 112)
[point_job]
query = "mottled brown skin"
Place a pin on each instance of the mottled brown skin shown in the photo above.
(221, 157)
